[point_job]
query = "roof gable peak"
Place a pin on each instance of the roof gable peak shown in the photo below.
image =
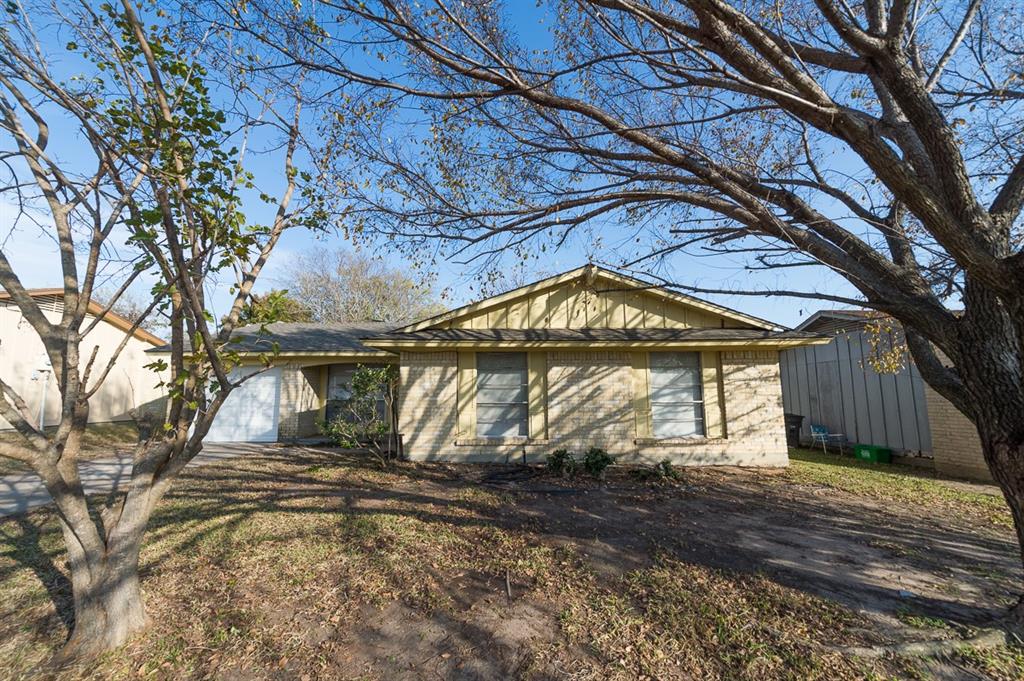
(584, 280)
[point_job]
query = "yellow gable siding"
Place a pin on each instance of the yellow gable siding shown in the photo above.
(654, 312)
(575, 306)
(632, 310)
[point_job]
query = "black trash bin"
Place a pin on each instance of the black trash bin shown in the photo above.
(793, 423)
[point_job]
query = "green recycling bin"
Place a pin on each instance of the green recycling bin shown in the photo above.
(872, 453)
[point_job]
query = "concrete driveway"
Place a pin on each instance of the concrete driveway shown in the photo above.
(25, 491)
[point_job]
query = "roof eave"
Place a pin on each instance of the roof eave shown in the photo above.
(386, 344)
(250, 354)
(838, 314)
(94, 309)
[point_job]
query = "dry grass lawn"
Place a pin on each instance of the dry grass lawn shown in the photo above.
(298, 563)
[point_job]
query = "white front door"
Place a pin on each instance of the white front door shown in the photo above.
(250, 413)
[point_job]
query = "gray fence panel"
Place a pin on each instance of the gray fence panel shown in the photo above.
(851, 420)
(920, 410)
(810, 389)
(786, 370)
(833, 385)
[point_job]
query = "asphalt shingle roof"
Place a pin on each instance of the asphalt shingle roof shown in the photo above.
(313, 338)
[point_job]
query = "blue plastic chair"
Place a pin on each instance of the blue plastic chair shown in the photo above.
(820, 434)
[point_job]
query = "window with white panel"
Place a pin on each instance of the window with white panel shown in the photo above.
(501, 394)
(677, 396)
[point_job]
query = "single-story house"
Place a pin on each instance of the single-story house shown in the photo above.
(25, 367)
(587, 358)
(834, 385)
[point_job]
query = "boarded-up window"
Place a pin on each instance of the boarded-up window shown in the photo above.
(501, 394)
(677, 399)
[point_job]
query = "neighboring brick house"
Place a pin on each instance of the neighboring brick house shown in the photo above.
(588, 358)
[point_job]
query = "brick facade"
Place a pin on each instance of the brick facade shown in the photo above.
(427, 411)
(955, 445)
(590, 402)
(299, 402)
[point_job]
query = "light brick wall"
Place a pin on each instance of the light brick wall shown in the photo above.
(590, 403)
(956, 447)
(299, 403)
(427, 410)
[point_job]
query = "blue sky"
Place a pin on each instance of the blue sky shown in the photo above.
(34, 254)
(35, 258)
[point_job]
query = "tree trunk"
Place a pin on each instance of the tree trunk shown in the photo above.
(991, 366)
(1005, 459)
(107, 598)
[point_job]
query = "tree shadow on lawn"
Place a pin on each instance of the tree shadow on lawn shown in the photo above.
(22, 540)
(860, 555)
(865, 557)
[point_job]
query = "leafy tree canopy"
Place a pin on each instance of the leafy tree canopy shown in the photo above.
(274, 306)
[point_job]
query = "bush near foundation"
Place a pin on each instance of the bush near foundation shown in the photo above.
(596, 460)
(562, 462)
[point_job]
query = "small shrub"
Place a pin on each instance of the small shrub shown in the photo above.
(353, 435)
(596, 460)
(362, 424)
(562, 462)
(664, 471)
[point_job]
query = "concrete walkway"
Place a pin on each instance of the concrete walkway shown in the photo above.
(25, 491)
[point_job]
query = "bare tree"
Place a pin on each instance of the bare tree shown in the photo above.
(132, 307)
(346, 286)
(161, 188)
(880, 139)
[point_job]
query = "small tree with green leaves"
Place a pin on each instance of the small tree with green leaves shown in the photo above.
(368, 419)
(160, 167)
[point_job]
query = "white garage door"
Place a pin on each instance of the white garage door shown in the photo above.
(250, 413)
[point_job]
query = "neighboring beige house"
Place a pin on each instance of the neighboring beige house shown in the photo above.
(23, 363)
(588, 358)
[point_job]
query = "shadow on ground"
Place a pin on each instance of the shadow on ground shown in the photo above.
(880, 561)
